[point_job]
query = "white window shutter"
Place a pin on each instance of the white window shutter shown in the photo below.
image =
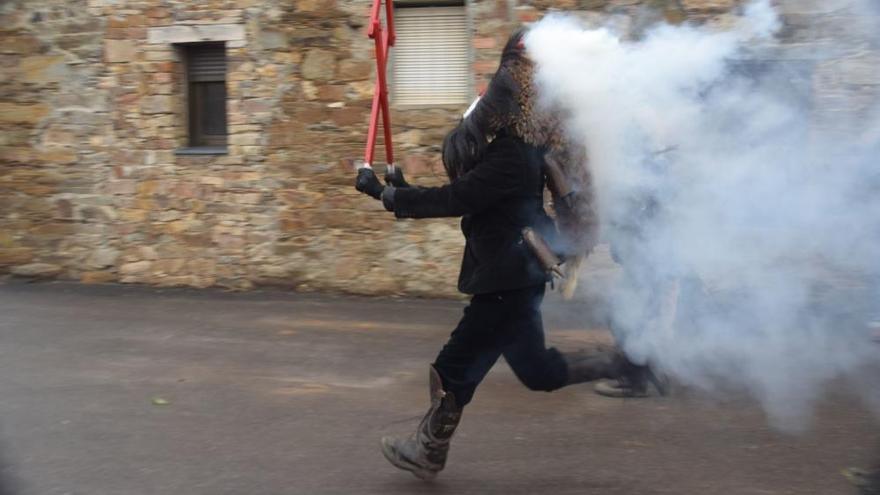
(431, 58)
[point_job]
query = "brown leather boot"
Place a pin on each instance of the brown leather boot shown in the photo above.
(424, 452)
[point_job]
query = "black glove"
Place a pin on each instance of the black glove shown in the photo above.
(394, 177)
(368, 183)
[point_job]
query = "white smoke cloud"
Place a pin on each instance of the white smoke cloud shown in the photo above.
(750, 237)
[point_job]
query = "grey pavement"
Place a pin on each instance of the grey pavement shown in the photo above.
(132, 390)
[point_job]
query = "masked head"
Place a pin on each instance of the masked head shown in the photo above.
(509, 105)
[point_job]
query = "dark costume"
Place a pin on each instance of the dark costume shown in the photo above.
(499, 197)
(496, 160)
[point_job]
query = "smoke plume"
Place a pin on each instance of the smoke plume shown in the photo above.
(744, 214)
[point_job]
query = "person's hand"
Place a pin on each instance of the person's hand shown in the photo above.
(368, 183)
(394, 177)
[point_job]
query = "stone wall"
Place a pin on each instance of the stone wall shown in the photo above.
(91, 113)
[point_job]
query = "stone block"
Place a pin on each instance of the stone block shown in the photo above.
(97, 277)
(299, 199)
(63, 209)
(360, 90)
(268, 71)
(162, 77)
(52, 231)
(84, 46)
(249, 198)
(160, 55)
(22, 113)
(19, 43)
(861, 70)
(314, 5)
(59, 137)
(170, 266)
(354, 70)
(37, 270)
(196, 34)
(125, 186)
(331, 92)
(525, 14)
(15, 255)
(409, 139)
(101, 214)
(229, 242)
(103, 257)
(212, 181)
(418, 164)
(117, 51)
(813, 7)
(202, 267)
(148, 253)
(126, 21)
(485, 66)
(164, 89)
(157, 13)
(56, 155)
(14, 137)
(43, 69)
(135, 268)
(169, 215)
(483, 42)
(272, 40)
(319, 65)
(157, 104)
(199, 240)
(708, 5)
(256, 105)
(247, 139)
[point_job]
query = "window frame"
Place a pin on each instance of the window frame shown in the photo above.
(393, 61)
(195, 87)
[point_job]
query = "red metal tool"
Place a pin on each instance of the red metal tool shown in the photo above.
(384, 39)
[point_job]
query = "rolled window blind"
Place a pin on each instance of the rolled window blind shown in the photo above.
(431, 58)
(206, 62)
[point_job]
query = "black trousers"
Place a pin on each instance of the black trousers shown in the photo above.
(502, 323)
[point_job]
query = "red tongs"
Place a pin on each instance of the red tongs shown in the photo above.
(384, 41)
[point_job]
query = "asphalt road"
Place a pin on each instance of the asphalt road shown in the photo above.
(130, 390)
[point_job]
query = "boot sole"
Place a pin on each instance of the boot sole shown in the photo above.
(661, 387)
(607, 390)
(396, 461)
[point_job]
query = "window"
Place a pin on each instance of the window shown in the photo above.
(206, 95)
(431, 58)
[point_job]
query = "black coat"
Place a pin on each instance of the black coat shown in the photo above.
(500, 196)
